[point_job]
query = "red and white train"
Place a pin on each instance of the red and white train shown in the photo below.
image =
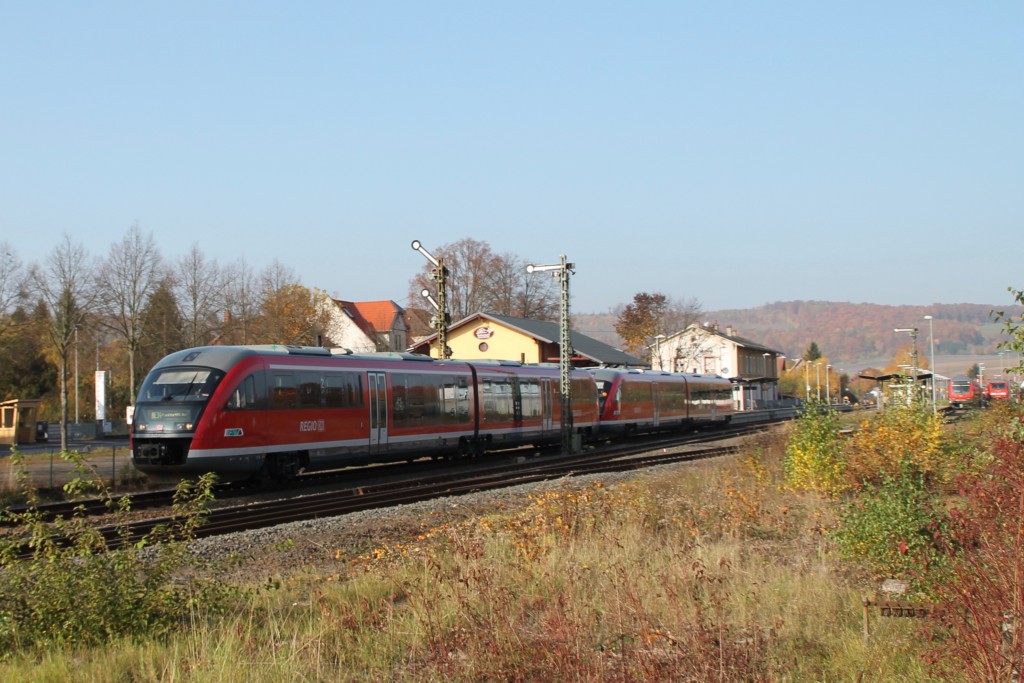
(276, 410)
(963, 392)
(997, 389)
(638, 401)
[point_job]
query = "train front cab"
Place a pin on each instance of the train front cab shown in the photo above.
(964, 392)
(997, 390)
(170, 406)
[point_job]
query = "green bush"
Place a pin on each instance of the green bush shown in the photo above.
(814, 455)
(892, 528)
(78, 591)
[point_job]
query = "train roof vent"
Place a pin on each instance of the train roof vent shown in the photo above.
(308, 350)
(395, 355)
(292, 349)
(339, 351)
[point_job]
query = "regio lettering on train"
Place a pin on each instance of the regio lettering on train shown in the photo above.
(311, 426)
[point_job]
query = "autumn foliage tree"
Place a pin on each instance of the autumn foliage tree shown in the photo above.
(650, 315)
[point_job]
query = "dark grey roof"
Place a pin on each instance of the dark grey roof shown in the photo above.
(598, 352)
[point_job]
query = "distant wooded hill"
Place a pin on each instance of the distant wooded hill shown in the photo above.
(858, 335)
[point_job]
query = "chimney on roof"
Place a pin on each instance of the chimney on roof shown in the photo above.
(729, 331)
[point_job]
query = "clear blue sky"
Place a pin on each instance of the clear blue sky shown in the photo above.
(738, 153)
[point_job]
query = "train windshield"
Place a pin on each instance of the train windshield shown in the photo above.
(180, 385)
(172, 399)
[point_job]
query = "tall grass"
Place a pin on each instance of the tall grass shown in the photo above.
(709, 572)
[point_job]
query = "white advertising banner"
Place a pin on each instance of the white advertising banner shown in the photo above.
(101, 395)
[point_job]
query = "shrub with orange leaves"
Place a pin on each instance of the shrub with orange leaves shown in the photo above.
(901, 439)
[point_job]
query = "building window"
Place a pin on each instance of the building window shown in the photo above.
(483, 347)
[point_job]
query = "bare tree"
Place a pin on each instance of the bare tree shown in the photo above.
(479, 280)
(12, 283)
(241, 304)
(513, 291)
(66, 285)
(127, 279)
(200, 295)
(469, 263)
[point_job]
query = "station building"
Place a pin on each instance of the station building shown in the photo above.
(488, 336)
(707, 349)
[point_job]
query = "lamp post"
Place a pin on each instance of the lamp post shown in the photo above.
(442, 320)
(931, 345)
(828, 390)
(807, 382)
(657, 351)
(913, 356)
(817, 381)
(561, 272)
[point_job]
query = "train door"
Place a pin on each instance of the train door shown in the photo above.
(656, 406)
(547, 404)
(377, 383)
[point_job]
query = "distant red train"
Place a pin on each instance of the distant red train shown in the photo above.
(636, 401)
(964, 392)
(997, 389)
(273, 411)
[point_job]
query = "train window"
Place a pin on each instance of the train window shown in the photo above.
(191, 384)
(244, 395)
(414, 403)
(343, 390)
(636, 392)
(672, 396)
(583, 392)
(283, 392)
(428, 400)
(498, 399)
(530, 391)
(309, 389)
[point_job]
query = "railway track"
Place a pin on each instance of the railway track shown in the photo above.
(380, 492)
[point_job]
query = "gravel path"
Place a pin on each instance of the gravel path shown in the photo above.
(326, 544)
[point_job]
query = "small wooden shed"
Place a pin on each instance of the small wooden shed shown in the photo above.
(18, 421)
